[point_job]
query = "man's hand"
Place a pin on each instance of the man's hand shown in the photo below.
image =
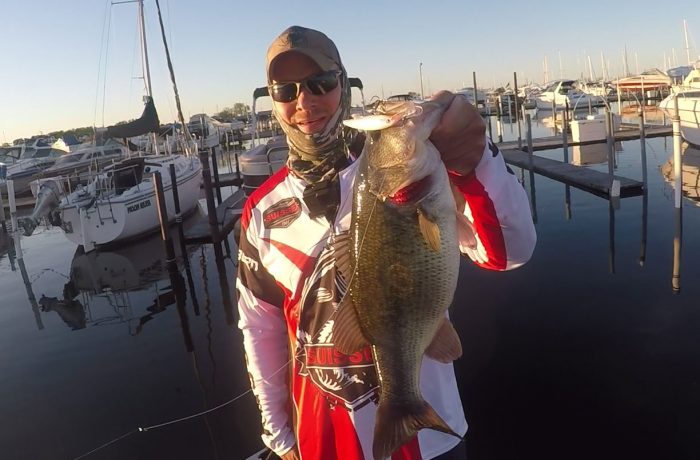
(460, 134)
(292, 454)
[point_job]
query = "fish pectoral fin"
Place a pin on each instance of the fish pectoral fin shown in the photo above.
(341, 250)
(446, 346)
(347, 332)
(430, 231)
(465, 231)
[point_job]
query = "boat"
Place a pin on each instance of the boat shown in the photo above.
(119, 203)
(688, 111)
(560, 93)
(83, 163)
(35, 156)
(649, 80)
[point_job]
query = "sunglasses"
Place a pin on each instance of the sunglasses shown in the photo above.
(318, 85)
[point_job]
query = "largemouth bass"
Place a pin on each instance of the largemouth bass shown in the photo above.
(400, 262)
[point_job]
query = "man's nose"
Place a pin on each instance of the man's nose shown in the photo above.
(306, 100)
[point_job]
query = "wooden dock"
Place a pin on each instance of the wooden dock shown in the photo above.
(227, 214)
(592, 181)
(555, 142)
(589, 180)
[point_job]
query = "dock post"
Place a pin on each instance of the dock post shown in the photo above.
(476, 95)
(677, 158)
(564, 134)
(209, 194)
(499, 126)
(163, 218)
(677, 244)
(643, 146)
(215, 170)
(565, 148)
(517, 109)
(531, 167)
(13, 218)
(619, 100)
(2, 214)
(178, 215)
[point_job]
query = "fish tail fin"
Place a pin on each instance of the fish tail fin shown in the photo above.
(396, 424)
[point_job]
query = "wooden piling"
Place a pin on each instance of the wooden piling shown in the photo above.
(209, 194)
(13, 218)
(3, 218)
(215, 171)
(163, 217)
(178, 214)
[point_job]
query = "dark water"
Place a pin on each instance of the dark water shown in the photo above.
(582, 353)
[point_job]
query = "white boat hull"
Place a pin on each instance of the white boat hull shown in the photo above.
(132, 214)
(689, 114)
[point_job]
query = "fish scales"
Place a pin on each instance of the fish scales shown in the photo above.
(401, 284)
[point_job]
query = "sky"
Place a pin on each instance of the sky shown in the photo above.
(74, 63)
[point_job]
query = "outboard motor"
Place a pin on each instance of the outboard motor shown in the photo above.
(47, 199)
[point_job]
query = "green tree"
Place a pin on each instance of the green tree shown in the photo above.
(238, 110)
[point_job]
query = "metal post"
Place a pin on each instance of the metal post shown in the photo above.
(420, 71)
(677, 244)
(476, 95)
(517, 109)
(533, 197)
(13, 218)
(643, 146)
(209, 194)
(565, 136)
(499, 125)
(677, 160)
(611, 236)
(163, 217)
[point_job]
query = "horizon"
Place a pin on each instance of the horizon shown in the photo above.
(77, 64)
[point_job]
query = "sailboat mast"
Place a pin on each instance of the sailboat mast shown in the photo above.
(144, 51)
(687, 46)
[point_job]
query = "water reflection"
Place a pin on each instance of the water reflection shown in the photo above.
(690, 173)
(129, 285)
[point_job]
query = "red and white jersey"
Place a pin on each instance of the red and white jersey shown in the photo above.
(287, 293)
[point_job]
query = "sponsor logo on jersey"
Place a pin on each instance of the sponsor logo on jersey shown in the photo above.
(348, 381)
(282, 213)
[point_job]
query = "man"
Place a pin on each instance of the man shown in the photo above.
(315, 403)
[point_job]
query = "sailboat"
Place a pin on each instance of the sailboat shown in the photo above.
(119, 204)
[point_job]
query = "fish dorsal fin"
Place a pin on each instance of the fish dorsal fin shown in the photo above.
(341, 250)
(430, 231)
(347, 332)
(446, 346)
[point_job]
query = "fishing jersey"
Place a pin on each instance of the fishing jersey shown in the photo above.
(309, 393)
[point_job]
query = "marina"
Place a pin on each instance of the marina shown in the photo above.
(173, 349)
(119, 248)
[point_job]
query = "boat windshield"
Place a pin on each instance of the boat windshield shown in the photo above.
(67, 159)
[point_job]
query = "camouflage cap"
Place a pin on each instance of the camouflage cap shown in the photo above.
(310, 42)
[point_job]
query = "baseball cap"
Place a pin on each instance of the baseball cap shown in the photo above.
(310, 42)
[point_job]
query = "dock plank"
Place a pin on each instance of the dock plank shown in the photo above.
(586, 179)
(555, 142)
(227, 214)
